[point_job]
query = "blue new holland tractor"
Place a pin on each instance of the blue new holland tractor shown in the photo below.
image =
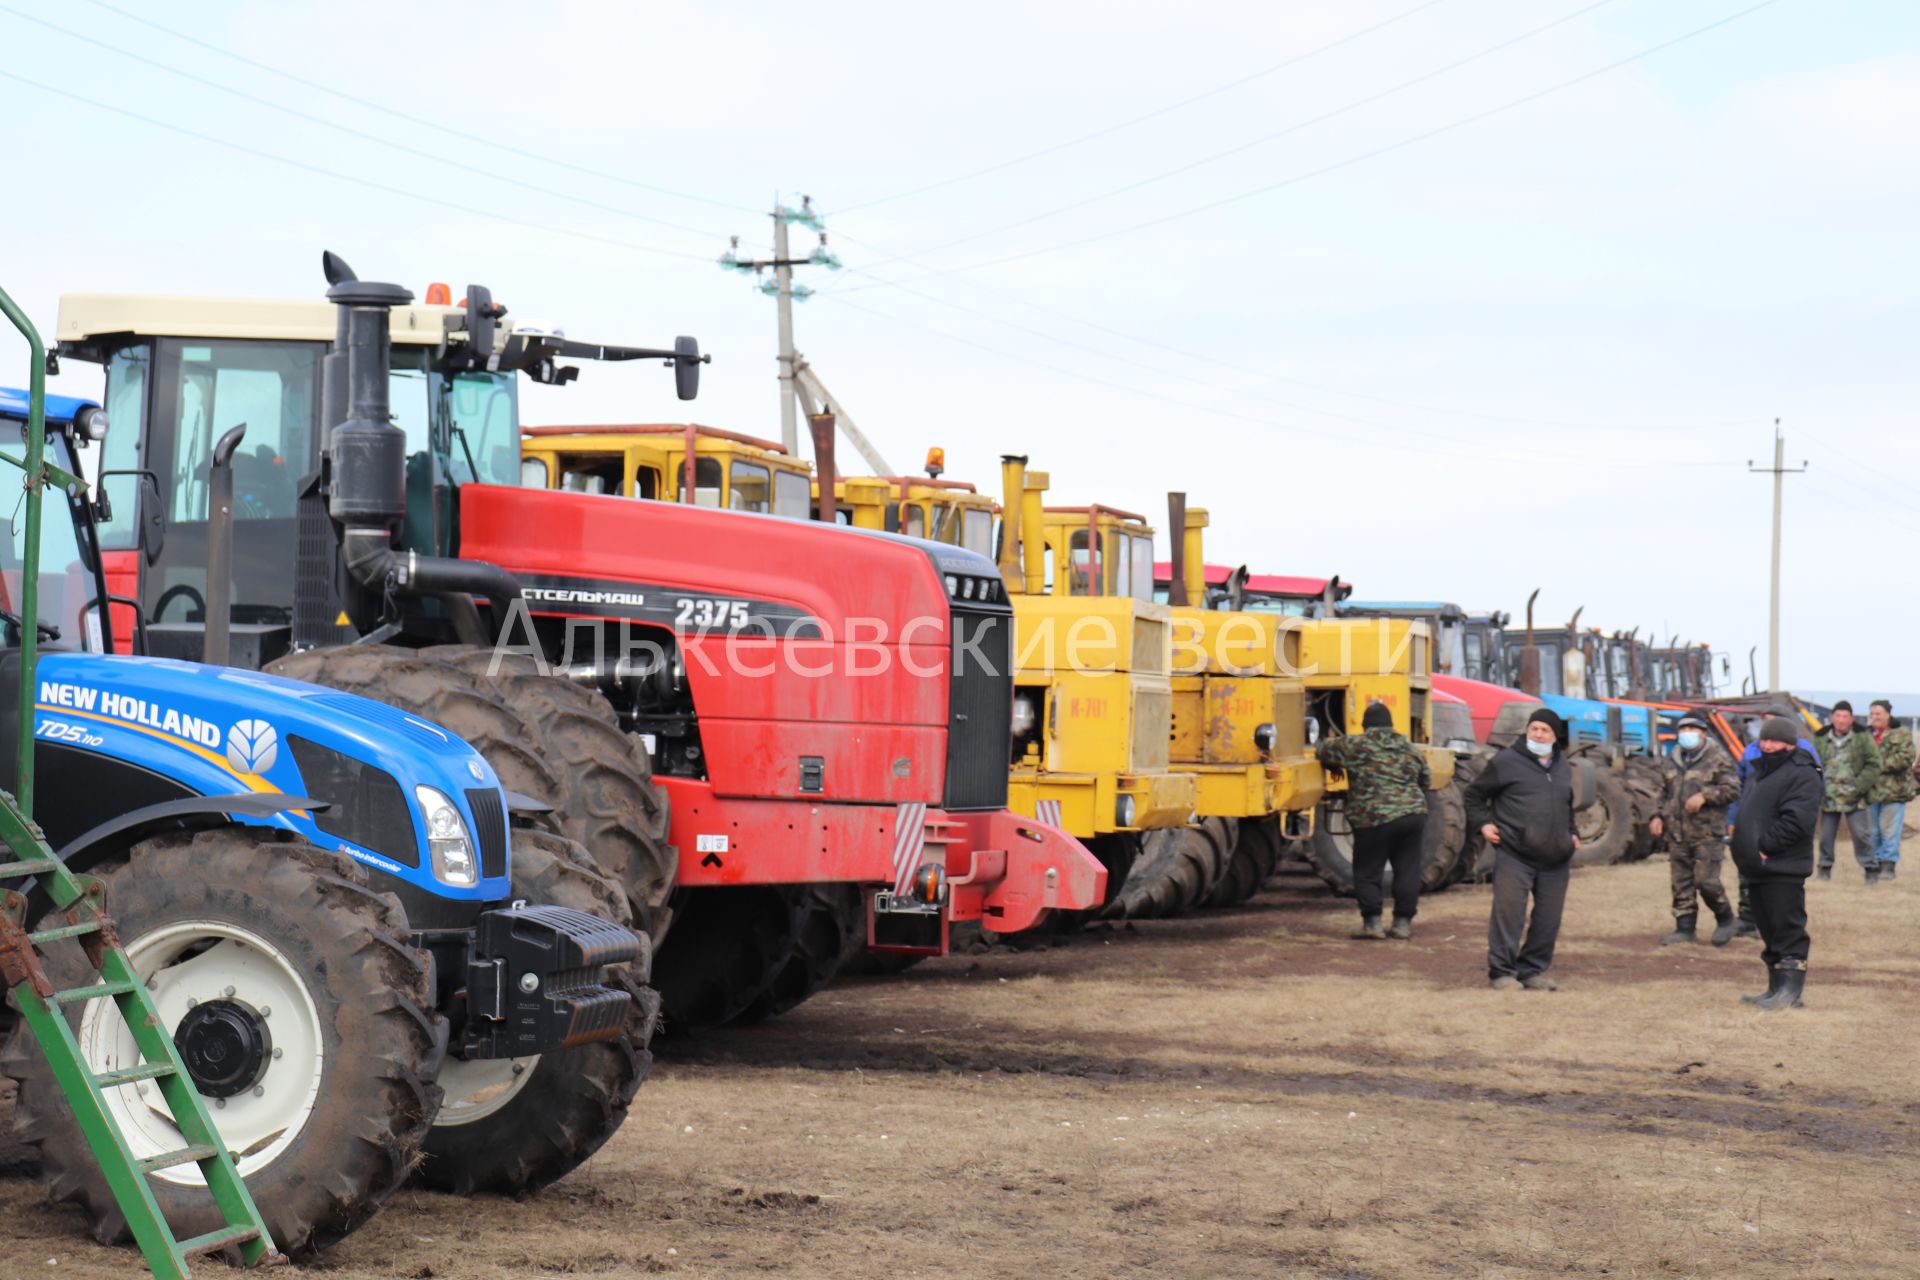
(375, 962)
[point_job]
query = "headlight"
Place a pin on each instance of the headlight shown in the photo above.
(448, 838)
(1024, 715)
(1123, 811)
(1313, 730)
(1263, 737)
(953, 585)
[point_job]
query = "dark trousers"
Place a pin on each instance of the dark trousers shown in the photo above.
(1514, 882)
(1398, 843)
(1780, 909)
(1746, 899)
(1866, 842)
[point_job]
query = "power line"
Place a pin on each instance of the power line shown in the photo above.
(370, 184)
(369, 104)
(1349, 161)
(1275, 136)
(1129, 123)
(417, 152)
(1478, 454)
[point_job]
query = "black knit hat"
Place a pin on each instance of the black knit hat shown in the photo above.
(1546, 716)
(1843, 705)
(1377, 716)
(1691, 718)
(1780, 729)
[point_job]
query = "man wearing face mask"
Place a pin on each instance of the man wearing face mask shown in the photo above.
(1773, 847)
(1887, 802)
(1851, 762)
(1701, 783)
(1522, 803)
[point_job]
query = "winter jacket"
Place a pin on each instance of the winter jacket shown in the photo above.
(1387, 776)
(1895, 784)
(1530, 804)
(1852, 766)
(1747, 759)
(1773, 836)
(1708, 773)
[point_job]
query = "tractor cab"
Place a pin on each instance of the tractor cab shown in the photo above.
(1097, 551)
(922, 506)
(684, 462)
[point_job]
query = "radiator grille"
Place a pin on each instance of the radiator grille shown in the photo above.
(490, 815)
(979, 708)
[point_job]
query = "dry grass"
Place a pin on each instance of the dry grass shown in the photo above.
(1249, 1094)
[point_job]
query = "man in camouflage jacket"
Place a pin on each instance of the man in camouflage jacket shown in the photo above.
(1851, 762)
(1702, 782)
(1387, 781)
(1887, 802)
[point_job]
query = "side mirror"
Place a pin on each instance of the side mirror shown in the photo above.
(153, 529)
(686, 367)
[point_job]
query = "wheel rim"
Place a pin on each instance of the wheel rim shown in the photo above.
(213, 963)
(475, 1090)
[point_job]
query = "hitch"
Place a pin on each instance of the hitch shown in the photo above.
(533, 981)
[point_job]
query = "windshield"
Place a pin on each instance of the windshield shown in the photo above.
(485, 408)
(67, 586)
(976, 531)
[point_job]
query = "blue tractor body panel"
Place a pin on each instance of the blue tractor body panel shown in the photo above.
(1590, 722)
(220, 731)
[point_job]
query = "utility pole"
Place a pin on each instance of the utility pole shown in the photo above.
(783, 291)
(1779, 471)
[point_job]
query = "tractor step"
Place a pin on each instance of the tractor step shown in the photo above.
(43, 1007)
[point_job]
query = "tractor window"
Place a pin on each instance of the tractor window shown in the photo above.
(126, 406)
(706, 482)
(485, 409)
(534, 473)
(1081, 583)
(66, 577)
(1474, 652)
(914, 520)
(646, 482)
(1142, 586)
(1120, 572)
(591, 473)
(751, 491)
(223, 385)
(792, 494)
(976, 530)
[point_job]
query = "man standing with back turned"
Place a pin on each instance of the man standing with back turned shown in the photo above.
(1387, 780)
(1522, 803)
(1852, 765)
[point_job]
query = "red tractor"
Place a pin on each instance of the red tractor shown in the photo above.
(789, 740)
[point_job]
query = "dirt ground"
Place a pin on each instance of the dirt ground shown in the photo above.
(1247, 1093)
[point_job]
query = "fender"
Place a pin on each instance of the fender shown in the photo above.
(126, 830)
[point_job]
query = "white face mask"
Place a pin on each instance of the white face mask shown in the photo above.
(1541, 749)
(1689, 740)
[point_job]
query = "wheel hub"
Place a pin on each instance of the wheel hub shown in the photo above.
(226, 1046)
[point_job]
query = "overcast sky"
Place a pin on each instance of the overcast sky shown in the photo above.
(1151, 246)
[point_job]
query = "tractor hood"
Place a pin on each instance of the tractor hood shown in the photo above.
(219, 731)
(607, 556)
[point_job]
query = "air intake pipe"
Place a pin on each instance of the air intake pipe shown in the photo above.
(367, 461)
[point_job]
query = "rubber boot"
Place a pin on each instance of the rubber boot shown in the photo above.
(1724, 931)
(1682, 931)
(1887, 869)
(1873, 875)
(1402, 929)
(1773, 988)
(1745, 928)
(1370, 928)
(1787, 996)
(1824, 873)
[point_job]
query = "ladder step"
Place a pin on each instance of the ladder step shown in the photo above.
(45, 936)
(95, 992)
(128, 1075)
(35, 867)
(185, 1155)
(213, 1240)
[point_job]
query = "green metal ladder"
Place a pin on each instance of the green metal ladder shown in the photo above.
(82, 899)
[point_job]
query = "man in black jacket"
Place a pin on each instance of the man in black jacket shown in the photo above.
(1773, 847)
(1522, 803)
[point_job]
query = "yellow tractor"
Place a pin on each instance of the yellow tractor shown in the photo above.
(673, 462)
(1239, 710)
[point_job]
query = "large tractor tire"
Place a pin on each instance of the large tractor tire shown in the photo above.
(1645, 781)
(1255, 854)
(727, 946)
(1606, 827)
(830, 927)
(302, 1011)
(513, 1126)
(1330, 852)
(545, 736)
(1173, 871)
(1444, 841)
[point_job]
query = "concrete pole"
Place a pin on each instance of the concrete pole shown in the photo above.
(783, 280)
(1773, 605)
